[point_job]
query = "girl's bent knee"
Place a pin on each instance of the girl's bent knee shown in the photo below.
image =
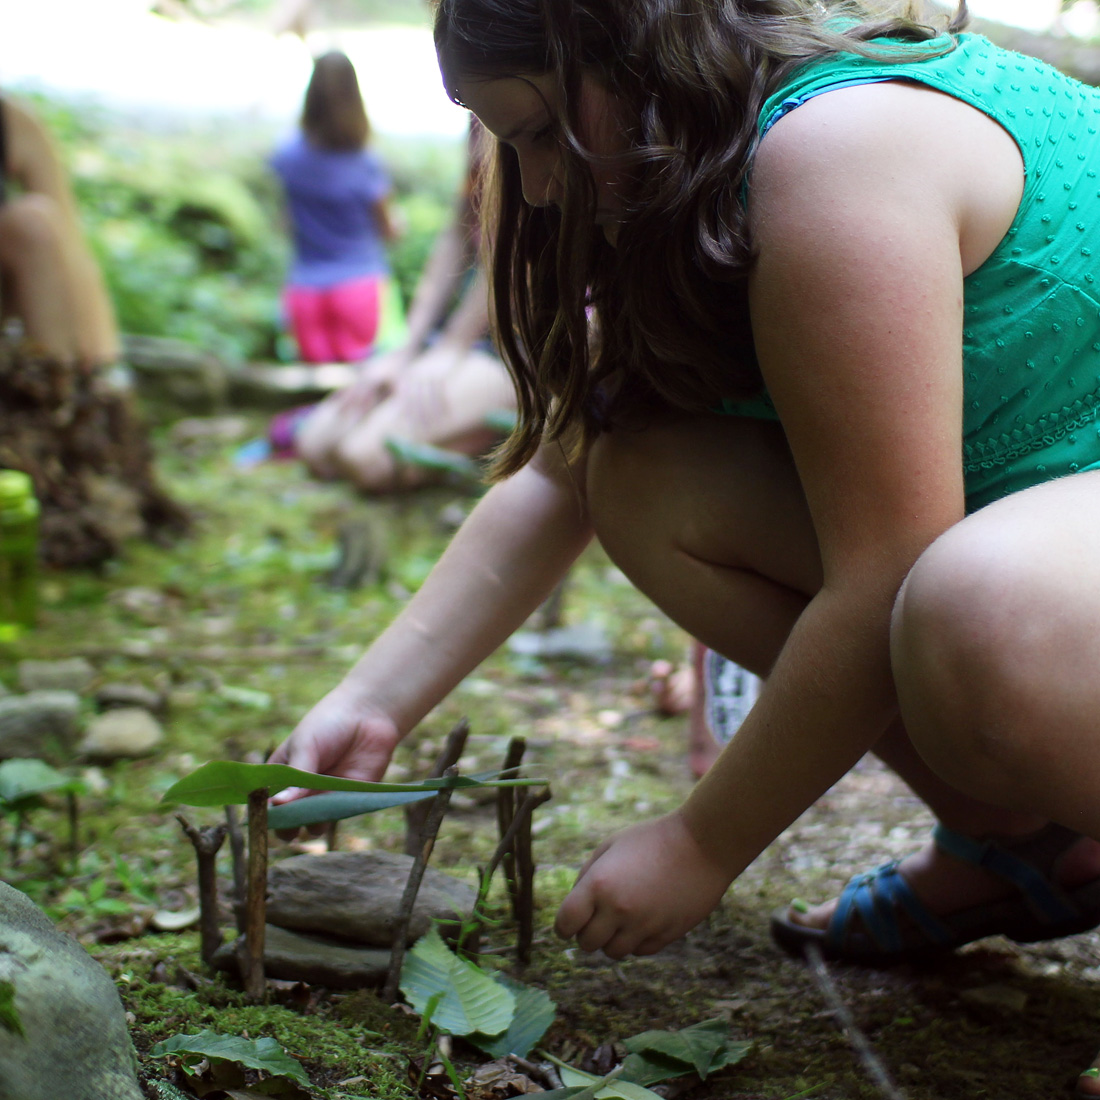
(32, 222)
(959, 667)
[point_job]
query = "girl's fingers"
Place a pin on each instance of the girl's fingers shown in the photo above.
(575, 912)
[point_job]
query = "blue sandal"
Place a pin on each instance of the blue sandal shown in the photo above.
(865, 928)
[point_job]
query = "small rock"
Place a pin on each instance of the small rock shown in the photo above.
(39, 724)
(74, 674)
(74, 1042)
(356, 896)
(170, 920)
(587, 642)
(126, 732)
(316, 959)
(115, 696)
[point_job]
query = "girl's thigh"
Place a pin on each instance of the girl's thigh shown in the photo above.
(996, 642)
(706, 515)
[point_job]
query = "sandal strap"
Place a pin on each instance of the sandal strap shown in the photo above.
(877, 897)
(1045, 899)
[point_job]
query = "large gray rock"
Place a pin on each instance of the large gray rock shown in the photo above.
(39, 724)
(356, 896)
(318, 960)
(74, 1043)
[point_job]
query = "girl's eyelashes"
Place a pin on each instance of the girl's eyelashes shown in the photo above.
(544, 135)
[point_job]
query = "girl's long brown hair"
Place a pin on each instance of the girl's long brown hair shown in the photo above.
(333, 115)
(668, 304)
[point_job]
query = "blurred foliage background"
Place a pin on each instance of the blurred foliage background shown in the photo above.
(187, 221)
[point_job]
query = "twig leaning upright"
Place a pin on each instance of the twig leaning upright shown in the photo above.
(412, 886)
(252, 961)
(525, 876)
(521, 823)
(206, 842)
(506, 812)
(416, 813)
(240, 867)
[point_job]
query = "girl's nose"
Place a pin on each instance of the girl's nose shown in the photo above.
(539, 178)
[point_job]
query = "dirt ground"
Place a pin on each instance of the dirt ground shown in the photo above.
(996, 1020)
(241, 630)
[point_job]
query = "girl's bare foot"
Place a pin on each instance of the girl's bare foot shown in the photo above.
(671, 687)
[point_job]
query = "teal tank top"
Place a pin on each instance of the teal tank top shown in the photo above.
(1031, 336)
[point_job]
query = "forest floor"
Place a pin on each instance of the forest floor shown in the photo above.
(238, 627)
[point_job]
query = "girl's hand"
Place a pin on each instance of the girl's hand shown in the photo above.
(375, 382)
(339, 736)
(642, 889)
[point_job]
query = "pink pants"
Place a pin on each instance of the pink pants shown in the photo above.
(334, 324)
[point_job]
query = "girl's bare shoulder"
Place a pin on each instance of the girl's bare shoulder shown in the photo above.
(894, 144)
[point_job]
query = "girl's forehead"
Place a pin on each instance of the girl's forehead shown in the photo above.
(501, 98)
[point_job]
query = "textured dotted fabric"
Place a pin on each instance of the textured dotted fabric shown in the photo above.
(1031, 337)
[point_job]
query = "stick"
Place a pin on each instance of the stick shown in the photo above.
(860, 1043)
(73, 807)
(523, 814)
(416, 813)
(206, 843)
(240, 868)
(412, 886)
(256, 910)
(525, 885)
(506, 812)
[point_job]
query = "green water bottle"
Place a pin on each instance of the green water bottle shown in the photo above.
(18, 554)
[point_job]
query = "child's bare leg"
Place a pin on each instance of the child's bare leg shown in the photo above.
(443, 400)
(707, 518)
(34, 259)
(318, 437)
(996, 652)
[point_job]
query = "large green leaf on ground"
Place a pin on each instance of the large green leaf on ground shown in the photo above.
(262, 1054)
(533, 1015)
(27, 778)
(703, 1048)
(222, 782)
(605, 1088)
(463, 998)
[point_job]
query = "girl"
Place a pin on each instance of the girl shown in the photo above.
(337, 191)
(840, 425)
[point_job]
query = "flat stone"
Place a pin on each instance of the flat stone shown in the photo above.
(39, 724)
(74, 1041)
(118, 696)
(123, 733)
(312, 958)
(73, 674)
(284, 385)
(356, 896)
